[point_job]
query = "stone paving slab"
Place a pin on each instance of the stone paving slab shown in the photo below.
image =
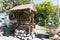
(8, 38)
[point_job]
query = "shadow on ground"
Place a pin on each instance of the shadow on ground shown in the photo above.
(42, 36)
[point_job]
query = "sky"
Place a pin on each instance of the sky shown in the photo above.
(54, 1)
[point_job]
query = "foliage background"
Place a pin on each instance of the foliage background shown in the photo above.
(46, 12)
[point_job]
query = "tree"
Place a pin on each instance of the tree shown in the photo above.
(7, 4)
(23, 1)
(19, 2)
(46, 9)
(0, 1)
(1, 6)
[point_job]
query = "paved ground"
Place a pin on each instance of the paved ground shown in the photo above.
(41, 33)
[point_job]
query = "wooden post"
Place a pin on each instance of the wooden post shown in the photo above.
(18, 18)
(29, 30)
(32, 20)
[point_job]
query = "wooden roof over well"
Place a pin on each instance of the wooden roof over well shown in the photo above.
(24, 7)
